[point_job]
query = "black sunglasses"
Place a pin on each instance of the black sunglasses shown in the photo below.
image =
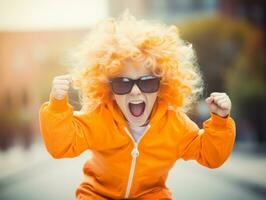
(123, 85)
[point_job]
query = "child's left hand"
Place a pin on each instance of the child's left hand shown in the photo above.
(219, 103)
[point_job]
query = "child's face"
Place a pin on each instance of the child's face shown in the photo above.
(137, 105)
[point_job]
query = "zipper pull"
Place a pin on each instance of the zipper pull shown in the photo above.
(135, 152)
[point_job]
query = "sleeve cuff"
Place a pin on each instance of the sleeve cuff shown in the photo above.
(58, 105)
(218, 120)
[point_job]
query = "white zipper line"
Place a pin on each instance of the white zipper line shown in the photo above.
(134, 154)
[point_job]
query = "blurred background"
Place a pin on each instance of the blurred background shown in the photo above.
(35, 35)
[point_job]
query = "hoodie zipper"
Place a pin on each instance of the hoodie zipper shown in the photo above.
(134, 155)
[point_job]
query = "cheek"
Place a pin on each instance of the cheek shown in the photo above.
(151, 99)
(120, 100)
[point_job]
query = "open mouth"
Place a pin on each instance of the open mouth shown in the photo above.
(136, 108)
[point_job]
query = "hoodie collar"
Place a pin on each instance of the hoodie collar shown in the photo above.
(159, 109)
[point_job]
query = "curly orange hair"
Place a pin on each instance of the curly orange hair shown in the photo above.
(110, 42)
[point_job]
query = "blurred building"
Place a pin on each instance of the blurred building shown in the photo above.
(33, 49)
(170, 11)
(29, 60)
(250, 10)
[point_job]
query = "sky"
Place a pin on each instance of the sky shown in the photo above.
(34, 15)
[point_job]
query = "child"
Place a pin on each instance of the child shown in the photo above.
(137, 79)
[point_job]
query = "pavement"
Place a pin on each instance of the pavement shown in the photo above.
(35, 175)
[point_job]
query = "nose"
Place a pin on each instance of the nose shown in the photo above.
(135, 90)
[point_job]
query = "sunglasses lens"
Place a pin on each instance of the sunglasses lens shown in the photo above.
(149, 84)
(121, 85)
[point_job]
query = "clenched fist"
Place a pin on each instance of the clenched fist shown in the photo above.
(60, 86)
(219, 103)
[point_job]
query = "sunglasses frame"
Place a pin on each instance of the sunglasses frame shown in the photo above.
(137, 82)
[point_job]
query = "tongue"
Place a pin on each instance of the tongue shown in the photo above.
(137, 109)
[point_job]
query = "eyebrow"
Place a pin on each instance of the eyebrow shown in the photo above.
(145, 77)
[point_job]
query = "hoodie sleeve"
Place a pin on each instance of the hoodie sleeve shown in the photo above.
(64, 134)
(210, 146)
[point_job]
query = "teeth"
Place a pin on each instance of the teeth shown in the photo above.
(136, 102)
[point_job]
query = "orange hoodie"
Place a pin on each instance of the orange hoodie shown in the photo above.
(121, 168)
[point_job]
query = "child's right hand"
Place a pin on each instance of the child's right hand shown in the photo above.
(60, 86)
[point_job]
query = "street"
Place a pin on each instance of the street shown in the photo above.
(40, 177)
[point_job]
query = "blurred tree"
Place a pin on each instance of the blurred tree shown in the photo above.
(231, 56)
